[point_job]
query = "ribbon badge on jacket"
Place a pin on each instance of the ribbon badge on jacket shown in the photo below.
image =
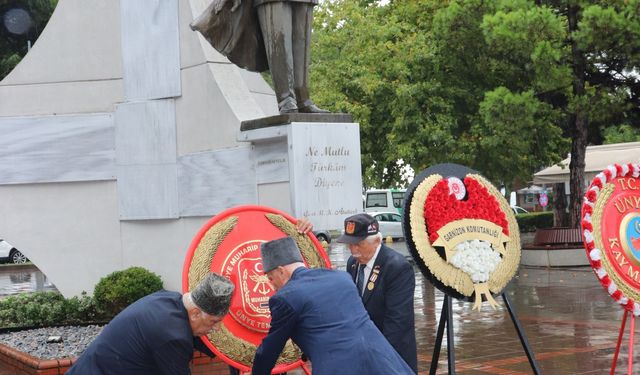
(374, 276)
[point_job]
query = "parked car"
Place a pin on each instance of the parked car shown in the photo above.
(519, 210)
(390, 224)
(322, 235)
(8, 253)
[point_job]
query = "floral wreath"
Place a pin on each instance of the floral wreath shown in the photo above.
(432, 206)
(592, 207)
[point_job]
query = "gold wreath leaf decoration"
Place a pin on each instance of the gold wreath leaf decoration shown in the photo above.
(233, 347)
(207, 248)
(243, 351)
(306, 246)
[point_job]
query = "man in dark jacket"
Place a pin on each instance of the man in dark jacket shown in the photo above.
(320, 311)
(385, 282)
(156, 334)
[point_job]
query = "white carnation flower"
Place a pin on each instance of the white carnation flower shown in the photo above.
(477, 259)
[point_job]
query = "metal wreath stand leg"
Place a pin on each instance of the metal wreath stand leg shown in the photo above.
(446, 318)
(632, 328)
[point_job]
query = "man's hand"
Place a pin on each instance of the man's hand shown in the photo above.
(303, 226)
(217, 7)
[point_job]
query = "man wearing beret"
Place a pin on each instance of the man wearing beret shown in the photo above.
(156, 334)
(385, 283)
(319, 309)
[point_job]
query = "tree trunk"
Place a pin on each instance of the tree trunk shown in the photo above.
(560, 218)
(579, 122)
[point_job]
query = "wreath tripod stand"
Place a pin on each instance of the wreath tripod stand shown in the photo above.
(446, 319)
(632, 328)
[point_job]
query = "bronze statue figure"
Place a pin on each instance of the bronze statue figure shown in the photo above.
(266, 34)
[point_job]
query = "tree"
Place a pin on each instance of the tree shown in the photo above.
(597, 53)
(414, 74)
(13, 46)
(504, 87)
(621, 134)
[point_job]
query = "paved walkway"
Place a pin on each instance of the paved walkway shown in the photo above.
(570, 321)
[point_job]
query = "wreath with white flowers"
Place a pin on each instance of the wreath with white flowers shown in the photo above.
(441, 205)
(477, 258)
(592, 208)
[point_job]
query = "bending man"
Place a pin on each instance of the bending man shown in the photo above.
(156, 334)
(320, 311)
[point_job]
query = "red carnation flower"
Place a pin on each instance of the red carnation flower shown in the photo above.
(597, 182)
(441, 207)
(617, 295)
(629, 305)
(618, 169)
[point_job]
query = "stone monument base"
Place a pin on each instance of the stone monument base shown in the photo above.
(308, 165)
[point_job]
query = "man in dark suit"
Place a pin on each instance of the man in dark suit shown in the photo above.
(320, 311)
(385, 282)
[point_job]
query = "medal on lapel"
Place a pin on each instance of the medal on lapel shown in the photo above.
(373, 278)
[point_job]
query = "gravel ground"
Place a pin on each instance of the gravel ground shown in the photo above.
(75, 339)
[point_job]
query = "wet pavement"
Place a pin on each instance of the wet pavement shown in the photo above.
(16, 279)
(570, 321)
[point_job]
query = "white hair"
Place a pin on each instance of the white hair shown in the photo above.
(372, 238)
(187, 300)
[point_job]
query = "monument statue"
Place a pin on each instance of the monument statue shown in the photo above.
(266, 34)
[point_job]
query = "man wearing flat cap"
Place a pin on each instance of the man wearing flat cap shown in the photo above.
(156, 335)
(319, 309)
(385, 283)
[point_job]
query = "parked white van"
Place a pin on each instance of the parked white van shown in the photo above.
(388, 200)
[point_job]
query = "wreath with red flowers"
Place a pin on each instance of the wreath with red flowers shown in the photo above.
(442, 207)
(431, 205)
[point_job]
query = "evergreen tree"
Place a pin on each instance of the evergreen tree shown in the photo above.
(506, 87)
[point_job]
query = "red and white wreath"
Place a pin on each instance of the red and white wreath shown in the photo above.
(592, 215)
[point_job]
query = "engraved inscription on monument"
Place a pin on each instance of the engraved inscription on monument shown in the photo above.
(328, 186)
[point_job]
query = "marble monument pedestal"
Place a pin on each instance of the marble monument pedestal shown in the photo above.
(308, 165)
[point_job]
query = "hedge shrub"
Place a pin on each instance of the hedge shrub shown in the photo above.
(119, 289)
(534, 220)
(112, 294)
(46, 309)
